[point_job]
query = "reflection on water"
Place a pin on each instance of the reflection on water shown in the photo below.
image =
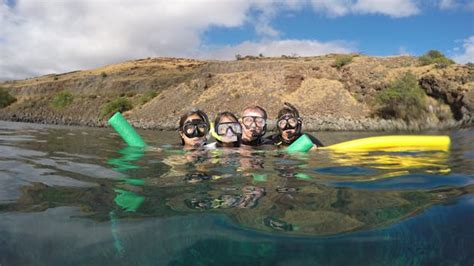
(228, 205)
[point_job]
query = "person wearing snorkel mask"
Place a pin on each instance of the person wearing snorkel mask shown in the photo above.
(289, 125)
(254, 126)
(193, 129)
(227, 129)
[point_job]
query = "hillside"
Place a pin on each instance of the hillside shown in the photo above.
(329, 96)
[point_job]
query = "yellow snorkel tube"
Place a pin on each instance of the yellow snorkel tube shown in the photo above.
(213, 132)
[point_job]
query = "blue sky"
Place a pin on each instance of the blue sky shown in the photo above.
(377, 34)
(43, 37)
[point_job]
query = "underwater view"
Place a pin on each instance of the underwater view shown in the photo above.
(80, 196)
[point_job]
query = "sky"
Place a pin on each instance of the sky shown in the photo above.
(39, 37)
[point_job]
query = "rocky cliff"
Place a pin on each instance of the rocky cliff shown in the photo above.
(329, 95)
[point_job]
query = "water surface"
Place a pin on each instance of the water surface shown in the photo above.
(79, 196)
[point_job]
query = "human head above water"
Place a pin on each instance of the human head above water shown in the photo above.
(193, 128)
(289, 123)
(228, 128)
(254, 123)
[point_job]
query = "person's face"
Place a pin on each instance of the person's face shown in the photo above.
(288, 125)
(228, 135)
(194, 123)
(253, 124)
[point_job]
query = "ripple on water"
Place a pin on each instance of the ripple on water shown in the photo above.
(232, 196)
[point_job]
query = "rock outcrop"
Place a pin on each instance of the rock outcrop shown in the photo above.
(329, 98)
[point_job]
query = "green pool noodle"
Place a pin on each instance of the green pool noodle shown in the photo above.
(126, 131)
(134, 181)
(129, 201)
(259, 178)
(302, 144)
(302, 176)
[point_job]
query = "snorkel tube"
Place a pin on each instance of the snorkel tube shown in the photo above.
(126, 131)
(213, 132)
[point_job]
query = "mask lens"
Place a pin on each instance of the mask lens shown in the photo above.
(222, 128)
(247, 121)
(292, 122)
(202, 128)
(195, 128)
(236, 128)
(260, 121)
(282, 123)
(189, 129)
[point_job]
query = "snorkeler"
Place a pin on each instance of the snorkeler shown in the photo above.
(289, 125)
(254, 126)
(228, 131)
(194, 128)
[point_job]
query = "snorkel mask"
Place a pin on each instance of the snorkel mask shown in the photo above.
(228, 131)
(290, 121)
(195, 128)
(259, 122)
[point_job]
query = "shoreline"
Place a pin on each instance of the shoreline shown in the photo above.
(329, 124)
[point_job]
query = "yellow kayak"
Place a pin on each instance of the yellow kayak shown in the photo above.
(394, 143)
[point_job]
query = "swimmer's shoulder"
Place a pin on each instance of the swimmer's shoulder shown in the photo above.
(315, 140)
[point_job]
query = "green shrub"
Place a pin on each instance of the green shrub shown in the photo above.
(120, 104)
(435, 57)
(403, 99)
(130, 94)
(147, 96)
(342, 60)
(5, 98)
(61, 100)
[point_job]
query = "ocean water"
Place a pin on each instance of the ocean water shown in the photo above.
(79, 196)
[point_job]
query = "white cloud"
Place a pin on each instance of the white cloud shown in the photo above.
(281, 47)
(41, 37)
(447, 4)
(465, 5)
(334, 8)
(468, 54)
(393, 8)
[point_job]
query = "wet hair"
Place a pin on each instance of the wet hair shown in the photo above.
(192, 112)
(256, 108)
(224, 114)
(231, 115)
(289, 109)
